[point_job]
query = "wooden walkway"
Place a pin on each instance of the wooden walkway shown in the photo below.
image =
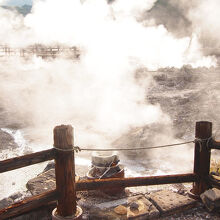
(40, 50)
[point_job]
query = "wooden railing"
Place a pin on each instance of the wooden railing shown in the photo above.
(26, 160)
(66, 187)
(39, 50)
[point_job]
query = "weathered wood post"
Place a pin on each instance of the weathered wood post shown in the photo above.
(65, 170)
(203, 133)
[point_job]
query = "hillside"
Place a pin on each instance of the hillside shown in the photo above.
(24, 10)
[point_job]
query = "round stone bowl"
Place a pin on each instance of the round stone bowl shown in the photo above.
(104, 159)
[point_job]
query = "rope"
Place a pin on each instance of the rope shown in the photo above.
(131, 149)
(65, 150)
(201, 141)
(75, 148)
(196, 140)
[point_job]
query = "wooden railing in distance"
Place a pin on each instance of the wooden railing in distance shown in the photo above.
(26, 160)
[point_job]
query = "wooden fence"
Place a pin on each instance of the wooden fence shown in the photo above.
(66, 187)
(40, 50)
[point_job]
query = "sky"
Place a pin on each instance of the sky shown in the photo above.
(15, 2)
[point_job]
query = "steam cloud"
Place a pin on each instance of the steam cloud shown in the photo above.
(185, 18)
(100, 93)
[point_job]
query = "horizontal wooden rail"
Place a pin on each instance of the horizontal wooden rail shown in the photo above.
(26, 160)
(84, 185)
(28, 205)
(215, 145)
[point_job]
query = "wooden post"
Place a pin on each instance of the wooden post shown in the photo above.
(65, 170)
(202, 156)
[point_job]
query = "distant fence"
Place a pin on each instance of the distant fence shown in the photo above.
(40, 50)
(66, 187)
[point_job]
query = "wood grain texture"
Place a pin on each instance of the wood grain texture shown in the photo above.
(202, 156)
(28, 205)
(65, 170)
(84, 185)
(26, 160)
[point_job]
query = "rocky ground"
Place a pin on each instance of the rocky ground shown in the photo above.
(187, 95)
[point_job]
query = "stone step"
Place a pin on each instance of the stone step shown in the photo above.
(169, 202)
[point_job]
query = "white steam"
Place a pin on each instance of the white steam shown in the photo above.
(203, 17)
(200, 16)
(44, 94)
(99, 93)
(132, 8)
(103, 93)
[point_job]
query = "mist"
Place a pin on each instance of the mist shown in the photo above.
(184, 18)
(103, 93)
